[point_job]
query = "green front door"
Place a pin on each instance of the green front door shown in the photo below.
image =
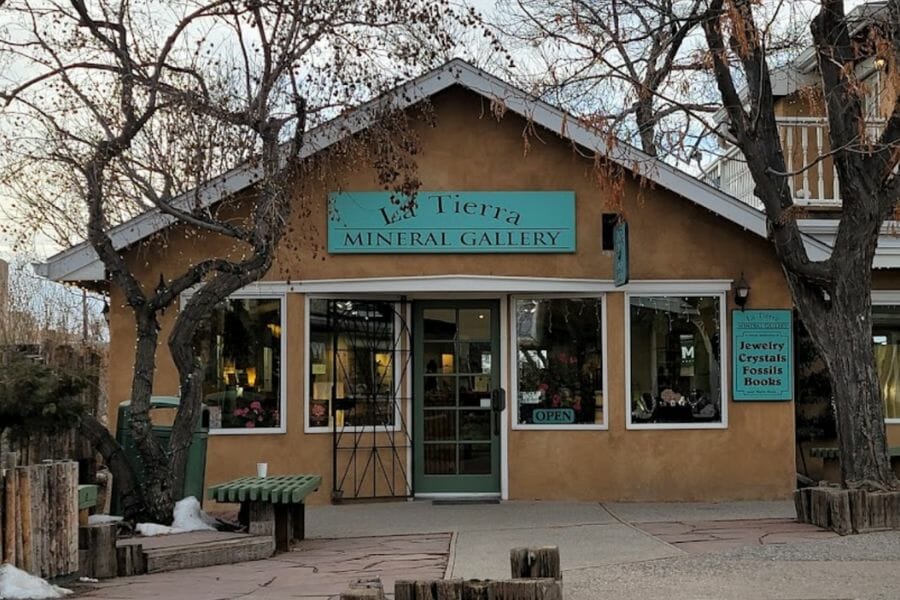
(456, 396)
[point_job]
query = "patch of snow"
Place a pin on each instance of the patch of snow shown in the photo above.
(99, 519)
(187, 517)
(16, 584)
(88, 580)
(151, 529)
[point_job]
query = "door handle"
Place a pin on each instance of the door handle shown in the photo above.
(498, 405)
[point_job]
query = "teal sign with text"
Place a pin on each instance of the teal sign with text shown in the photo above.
(555, 416)
(451, 222)
(620, 252)
(763, 355)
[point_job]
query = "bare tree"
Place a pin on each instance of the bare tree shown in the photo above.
(629, 66)
(739, 41)
(833, 296)
(129, 106)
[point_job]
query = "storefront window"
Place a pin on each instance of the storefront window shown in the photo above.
(560, 361)
(240, 344)
(886, 337)
(676, 369)
(351, 349)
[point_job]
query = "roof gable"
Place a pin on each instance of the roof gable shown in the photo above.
(81, 263)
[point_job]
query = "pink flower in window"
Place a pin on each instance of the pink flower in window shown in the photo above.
(249, 424)
(255, 405)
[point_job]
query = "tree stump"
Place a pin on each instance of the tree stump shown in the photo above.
(97, 551)
(368, 589)
(535, 563)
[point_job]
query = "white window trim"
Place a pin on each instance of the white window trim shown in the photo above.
(282, 410)
(513, 403)
(887, 298)
(724, 340)
(397, 371)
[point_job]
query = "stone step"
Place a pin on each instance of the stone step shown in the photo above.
(220, 552)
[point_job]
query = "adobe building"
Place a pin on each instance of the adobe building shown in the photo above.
(508, 335)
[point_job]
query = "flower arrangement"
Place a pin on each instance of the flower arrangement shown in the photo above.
(255, 414)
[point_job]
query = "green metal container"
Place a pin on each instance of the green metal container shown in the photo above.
(195, 470)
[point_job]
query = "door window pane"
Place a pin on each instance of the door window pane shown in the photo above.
(886, 338)
(474, 324)
(559, 361)
(475, 425)
(475, 459)
(439, 358)
(440, 390)
(240, 346)
(676, 371)
(475, 357)
(440, 459)
(440, 425)
(439, 323)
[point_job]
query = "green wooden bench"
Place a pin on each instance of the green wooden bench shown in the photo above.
(271, 505)
(87, 499)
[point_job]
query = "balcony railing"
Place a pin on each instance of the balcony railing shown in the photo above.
(813, 180)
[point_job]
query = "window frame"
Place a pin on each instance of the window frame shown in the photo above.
(725, 365)
(887, 298)
(398, 371)
(282, 385)
(513, 396)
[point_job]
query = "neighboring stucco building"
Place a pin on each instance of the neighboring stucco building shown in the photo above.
(480, 344)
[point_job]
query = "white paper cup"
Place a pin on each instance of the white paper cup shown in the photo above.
(262, 469)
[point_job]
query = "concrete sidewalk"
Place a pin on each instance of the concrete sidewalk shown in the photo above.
(616, 551)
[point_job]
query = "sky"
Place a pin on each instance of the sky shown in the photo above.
(42, 247)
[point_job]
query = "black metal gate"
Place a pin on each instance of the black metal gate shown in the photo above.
(371, 360)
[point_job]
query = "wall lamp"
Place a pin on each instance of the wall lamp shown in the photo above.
(741, 291)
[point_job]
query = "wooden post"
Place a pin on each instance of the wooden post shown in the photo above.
(24, 483)
(839, 512)
(527, 589)
(364, 589)
(477, 590)
(97, 547)
(457, 589)
(284, 528)
(298, 517)
(535, 563)
(438, 589)
(130, 560)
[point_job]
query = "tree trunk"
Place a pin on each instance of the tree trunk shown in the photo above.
(190, 371)
(841, 329)
(113, 455)
(157, 489)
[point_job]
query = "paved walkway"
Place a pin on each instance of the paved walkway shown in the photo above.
(616, 551)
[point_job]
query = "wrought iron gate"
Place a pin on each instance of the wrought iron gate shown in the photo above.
(371, 360)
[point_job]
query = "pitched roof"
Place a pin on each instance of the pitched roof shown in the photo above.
(81, 263)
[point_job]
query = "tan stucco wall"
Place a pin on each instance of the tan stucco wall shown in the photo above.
(671, 238)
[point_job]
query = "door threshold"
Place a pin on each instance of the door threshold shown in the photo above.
(464, 501)
(450, 499)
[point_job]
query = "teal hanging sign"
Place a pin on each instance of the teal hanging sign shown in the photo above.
(451, 222)
(620, 254)
(763, 355)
